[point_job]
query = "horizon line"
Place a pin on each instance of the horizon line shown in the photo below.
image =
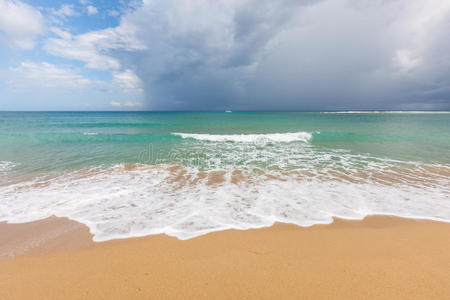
(262, 110)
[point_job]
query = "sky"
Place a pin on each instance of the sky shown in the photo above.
(225, 55)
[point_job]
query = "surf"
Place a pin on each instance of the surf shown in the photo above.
(249, 138)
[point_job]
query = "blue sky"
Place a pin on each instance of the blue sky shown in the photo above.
(224, 54)
(34, 78)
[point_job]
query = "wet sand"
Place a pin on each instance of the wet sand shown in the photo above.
(379, 257)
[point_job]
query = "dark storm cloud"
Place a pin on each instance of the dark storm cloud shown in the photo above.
(306, 55)
(204, 57)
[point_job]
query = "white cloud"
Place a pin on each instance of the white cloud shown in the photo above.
(60, 15)
(30, 75)
(65, 10)
(91, 10)
(20, 24)
(43, 85)
(43, 75)
(128, 80)
(61, 33)
(125, 104)
(113, 13)
(93, 47)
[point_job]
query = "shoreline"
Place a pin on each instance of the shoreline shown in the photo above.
(378, 257)
(56, 234)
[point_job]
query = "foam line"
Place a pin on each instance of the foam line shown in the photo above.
(249, 138)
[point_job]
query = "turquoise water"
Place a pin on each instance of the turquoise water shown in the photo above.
(188, 166)
(47, 141)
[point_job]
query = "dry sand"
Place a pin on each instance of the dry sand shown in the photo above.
(379, 257)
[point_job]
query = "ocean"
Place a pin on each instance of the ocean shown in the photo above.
(127, 174)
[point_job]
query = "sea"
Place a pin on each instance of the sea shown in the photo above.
(185, 174)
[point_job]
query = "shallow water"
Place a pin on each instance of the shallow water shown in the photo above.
(188, 173)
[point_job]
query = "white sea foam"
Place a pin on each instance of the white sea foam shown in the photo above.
(6, 166)
(90, 133)
(250, 138)
(123, 201)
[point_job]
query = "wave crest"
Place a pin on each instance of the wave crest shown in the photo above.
(6, 166)
(250, 138)
(135, 200)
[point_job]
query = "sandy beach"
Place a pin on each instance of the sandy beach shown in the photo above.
(379, 257)
(201, 149)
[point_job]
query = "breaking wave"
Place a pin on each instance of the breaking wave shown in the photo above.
(135, 200)
(249, 138)
(6, 166)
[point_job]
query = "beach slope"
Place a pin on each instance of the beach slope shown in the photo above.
(378, 257)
